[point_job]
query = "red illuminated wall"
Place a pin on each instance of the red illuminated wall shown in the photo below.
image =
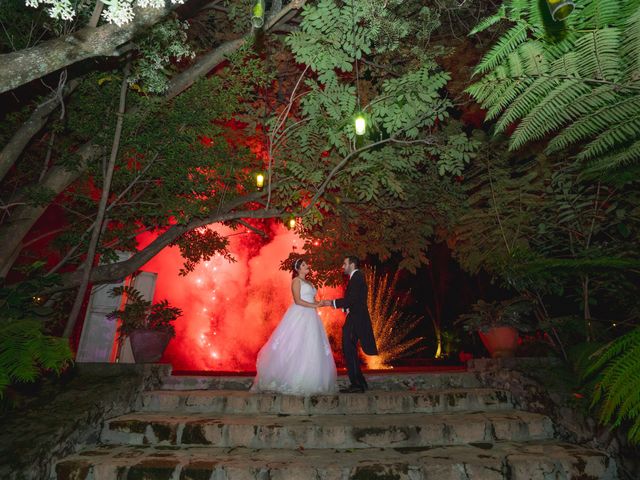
(230, 309)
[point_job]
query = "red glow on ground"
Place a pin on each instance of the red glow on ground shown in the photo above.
(230, 309)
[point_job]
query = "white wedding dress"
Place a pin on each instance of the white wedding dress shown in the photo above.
(297, 359)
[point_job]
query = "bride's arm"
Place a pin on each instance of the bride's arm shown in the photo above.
(296, 285)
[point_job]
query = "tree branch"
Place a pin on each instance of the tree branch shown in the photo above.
(262, 233)
(116, 271)
(26, 65)
(207, 62)
(344, 161)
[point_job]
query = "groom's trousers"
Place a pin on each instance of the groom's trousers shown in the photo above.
(350, 351)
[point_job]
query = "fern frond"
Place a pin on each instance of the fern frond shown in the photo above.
(508, 43)
(484, 90)
(565, 66)
(598, 112)
(533, 58)
(601, 14)
(614, 137)
(25, 350)
(612, 350)
(631, 45)
(506, 97)
(550, 114)
(526, 102)
(600, 48)
(564, 46)
(627, 156)
(518, 9)
(489, 21)
(503, 88)
(598, 54)
(618, 383)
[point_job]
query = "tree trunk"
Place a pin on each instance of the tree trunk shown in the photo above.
(23, 218)
(38, 119)
(102, 208)
(26, 65)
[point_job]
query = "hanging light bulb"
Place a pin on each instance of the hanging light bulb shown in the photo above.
(360, 124)
(257, 14)
(292, 222)
(560, 9)
(259, 181)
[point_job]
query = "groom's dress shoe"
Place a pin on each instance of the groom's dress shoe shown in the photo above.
(352, 389)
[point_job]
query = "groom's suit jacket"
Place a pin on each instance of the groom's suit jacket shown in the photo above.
(358, 320)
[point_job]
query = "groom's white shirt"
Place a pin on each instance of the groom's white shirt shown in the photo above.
(334, 302)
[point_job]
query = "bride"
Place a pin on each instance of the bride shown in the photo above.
(297, 359)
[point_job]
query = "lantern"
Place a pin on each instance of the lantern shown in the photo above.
(360, 124)
(560, 9)
(292, 222)
(257, 14)
(259, 181)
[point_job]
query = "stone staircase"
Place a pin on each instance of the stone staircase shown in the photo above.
(442, 426)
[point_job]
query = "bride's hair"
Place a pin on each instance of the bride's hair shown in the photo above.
(296, 266)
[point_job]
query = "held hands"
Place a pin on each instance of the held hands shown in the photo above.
(329, 303)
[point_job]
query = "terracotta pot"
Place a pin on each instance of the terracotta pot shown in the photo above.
(148, 345)
(500, 341)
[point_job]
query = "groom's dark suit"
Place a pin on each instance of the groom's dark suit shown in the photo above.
(357, 327)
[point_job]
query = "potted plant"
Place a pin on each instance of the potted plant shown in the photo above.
(148, 325)
(498, 324)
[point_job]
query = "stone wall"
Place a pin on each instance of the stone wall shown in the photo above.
(67, 417)
(540, 385)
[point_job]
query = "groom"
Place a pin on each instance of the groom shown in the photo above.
(357, 326)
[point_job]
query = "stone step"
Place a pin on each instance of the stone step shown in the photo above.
(499, 461)
(376, 381)
(372, 402)
(326, 431)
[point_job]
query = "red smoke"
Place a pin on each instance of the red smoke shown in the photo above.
(230, 309)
